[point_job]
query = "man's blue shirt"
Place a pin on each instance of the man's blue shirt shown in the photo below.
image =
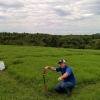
(70, 77)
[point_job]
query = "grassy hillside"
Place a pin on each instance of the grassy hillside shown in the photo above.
(22, 79)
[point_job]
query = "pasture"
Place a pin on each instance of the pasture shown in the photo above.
(22, 78)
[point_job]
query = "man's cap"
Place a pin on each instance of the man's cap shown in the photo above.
(62, 61)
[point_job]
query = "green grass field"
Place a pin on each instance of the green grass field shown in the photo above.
(22, 78)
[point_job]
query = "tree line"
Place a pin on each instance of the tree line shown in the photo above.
(47, 40)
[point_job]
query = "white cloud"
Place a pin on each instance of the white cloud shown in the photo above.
(50, 16)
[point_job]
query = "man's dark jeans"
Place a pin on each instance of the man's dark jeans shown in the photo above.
(64, 86)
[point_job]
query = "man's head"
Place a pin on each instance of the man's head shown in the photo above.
(62, 63)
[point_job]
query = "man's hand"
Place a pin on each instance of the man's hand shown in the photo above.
(47, 67)
(63, 76)
(50, 67)
(60, 79)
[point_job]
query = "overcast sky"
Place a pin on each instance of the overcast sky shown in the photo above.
(50, 16)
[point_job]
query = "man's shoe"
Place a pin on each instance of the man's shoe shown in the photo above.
(69, 91)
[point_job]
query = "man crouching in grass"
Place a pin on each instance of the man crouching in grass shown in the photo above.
(67, 76)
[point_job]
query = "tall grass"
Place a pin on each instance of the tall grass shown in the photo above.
(26, 64)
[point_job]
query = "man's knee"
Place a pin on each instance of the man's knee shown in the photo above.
(57, 89)
(63, 86)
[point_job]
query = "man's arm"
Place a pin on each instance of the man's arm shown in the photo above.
(50, 67)
(63, 76)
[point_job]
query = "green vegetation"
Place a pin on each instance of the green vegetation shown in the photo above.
(22, 79)
(67, 41)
